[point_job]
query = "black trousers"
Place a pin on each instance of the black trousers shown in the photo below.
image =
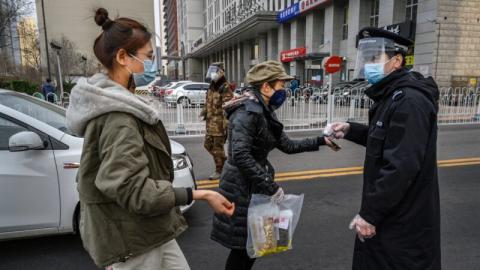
(239, 260)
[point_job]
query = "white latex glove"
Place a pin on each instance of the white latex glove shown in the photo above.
(363, 229)
(340, 129)
(328, 131)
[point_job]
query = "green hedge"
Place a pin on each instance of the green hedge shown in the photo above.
(20, 86)
(29, 87)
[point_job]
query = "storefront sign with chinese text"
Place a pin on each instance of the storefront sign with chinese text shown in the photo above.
(291, 55)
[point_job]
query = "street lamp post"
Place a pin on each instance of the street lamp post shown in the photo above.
(57, 49)
(46, 40)
(436, 22)
(182, 52)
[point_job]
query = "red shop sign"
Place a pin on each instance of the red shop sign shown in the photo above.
(290, 55)
(333, 64)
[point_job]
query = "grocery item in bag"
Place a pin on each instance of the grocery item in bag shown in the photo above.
(271, 224)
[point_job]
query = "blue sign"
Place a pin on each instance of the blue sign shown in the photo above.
(289, 13)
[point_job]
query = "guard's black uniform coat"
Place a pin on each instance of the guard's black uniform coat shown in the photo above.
(400, 189)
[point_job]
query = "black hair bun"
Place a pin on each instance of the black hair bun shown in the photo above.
(101, 18)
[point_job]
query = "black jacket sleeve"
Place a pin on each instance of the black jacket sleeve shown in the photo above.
(242, 136)
(403, 157)
(358, 133)
(289, 146)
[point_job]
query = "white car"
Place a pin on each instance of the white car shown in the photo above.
(39, 161)
(191, 93)
(149, 86)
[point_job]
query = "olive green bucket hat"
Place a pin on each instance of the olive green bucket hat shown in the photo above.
(267, 71)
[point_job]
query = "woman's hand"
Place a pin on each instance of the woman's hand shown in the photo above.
(217, 202)
(333, 145)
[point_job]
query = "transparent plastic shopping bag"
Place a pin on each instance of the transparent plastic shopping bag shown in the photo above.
(271, 224)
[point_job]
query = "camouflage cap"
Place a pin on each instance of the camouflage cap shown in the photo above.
(266, 72)
(220, 65)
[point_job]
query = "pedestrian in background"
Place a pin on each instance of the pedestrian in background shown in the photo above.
(218, 93)
(398, 226)
(48, 90)
(254, 130)
(294, 84)
(129, 214)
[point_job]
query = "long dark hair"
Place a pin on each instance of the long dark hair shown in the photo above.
(121, 33)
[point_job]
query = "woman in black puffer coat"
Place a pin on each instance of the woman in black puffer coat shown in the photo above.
(253, 132)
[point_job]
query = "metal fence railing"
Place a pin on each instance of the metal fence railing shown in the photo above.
(309, 111)
(459, 106)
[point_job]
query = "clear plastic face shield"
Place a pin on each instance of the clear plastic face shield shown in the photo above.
(213, 74)
(372, 51)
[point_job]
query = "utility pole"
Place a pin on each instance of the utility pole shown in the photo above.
(57, 49)
(46, 41)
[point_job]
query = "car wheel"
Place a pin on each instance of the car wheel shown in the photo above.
(184, 101)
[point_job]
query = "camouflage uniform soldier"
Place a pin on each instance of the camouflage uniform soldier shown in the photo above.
(216, 126)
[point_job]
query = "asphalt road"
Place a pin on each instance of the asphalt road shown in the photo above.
(322, 239)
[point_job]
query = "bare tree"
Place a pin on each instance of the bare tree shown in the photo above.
(6, 66)
(30, 45)
(10, 11)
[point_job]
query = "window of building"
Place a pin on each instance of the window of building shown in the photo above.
(374, 13)
(411, 13)
(345, 23)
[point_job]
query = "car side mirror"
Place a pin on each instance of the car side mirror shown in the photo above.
(24, 141)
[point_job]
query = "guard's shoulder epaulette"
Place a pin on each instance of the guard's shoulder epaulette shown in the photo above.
(398, 94)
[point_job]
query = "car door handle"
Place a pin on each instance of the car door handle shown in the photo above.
(71, 165)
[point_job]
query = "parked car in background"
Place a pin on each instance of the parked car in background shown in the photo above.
(159, 91)
(39, 162)
(190, 93)
(149, 86)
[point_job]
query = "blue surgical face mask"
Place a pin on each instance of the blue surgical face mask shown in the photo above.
(277, 99)
(375, 72)
(148, 75)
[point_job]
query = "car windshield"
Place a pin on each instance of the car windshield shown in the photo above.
(47, 113)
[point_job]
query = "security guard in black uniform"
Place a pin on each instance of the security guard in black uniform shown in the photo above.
(398, 225)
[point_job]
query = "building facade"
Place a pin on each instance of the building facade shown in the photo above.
(454, 41)
(171, 37)
(190, 27)
(160, 36)
(74, 20)
(301, 33)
